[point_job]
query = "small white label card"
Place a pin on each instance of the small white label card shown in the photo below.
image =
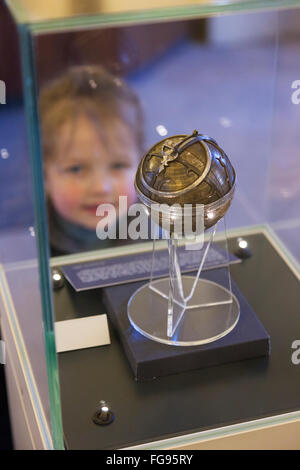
(81, 333)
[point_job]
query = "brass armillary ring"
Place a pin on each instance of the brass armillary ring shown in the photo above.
(187, 169)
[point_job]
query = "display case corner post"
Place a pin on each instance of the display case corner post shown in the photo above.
(26, 41)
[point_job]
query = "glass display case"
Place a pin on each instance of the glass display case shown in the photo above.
(228, 69)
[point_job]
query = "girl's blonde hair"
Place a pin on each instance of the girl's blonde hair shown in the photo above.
(89, 90)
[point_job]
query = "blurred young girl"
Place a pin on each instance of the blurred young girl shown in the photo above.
(92, 137)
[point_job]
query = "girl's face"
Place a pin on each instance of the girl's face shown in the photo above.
(91, 167)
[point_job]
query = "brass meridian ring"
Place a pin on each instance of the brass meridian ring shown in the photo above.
(188, 188)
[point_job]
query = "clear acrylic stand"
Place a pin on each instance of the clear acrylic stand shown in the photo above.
(185, 309)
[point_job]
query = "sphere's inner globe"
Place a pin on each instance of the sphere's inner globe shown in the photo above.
(179, 171)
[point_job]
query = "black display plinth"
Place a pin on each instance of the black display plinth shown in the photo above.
(211, 398)
(150, 359)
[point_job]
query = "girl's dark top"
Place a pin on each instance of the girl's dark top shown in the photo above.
(68, 238)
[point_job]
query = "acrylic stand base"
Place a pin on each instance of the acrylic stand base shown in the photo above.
(209, 318)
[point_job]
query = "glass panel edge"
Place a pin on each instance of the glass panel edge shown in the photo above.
(25, 40)
(22, 16)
